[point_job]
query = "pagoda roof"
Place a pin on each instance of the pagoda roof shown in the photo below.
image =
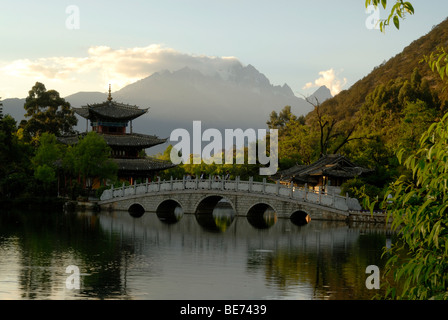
(333, 165)
(119, 140)
(110, 110)
(142, 166)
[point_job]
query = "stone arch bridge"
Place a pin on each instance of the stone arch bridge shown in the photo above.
(247, 198)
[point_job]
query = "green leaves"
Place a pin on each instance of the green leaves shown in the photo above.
(48, 152)
(47, 112)
(419, 214)
(396, 22)
(438, 61)
(397, 12)
(90, 158)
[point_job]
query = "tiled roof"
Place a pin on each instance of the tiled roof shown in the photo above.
(120, 140)
(329, 165)
(142, 165)
(110, 110)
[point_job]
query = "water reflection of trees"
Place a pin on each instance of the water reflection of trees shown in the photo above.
(48, 242)
(328, 258)
(334, 272)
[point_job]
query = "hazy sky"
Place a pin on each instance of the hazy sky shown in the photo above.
(77, 45)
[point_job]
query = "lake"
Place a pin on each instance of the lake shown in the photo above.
(215, 256)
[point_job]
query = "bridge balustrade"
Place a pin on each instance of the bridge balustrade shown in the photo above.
(237, 185)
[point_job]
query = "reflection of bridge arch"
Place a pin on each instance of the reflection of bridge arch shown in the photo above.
(262, 215)
(208, 202)
(169, 211)
(136, 210)
(300, 217)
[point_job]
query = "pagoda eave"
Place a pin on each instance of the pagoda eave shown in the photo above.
(110, 111)
(114, 140)
(142, 166)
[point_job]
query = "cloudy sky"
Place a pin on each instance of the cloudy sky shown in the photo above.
(78, 45)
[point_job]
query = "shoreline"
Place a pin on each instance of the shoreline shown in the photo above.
(73, 205)
(33, 202)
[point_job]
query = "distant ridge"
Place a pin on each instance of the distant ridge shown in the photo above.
(236, 97)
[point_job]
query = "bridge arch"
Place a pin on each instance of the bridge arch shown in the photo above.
(169, 211)
(262, 215)
(300, 218)
(215, 213)
(136, 210)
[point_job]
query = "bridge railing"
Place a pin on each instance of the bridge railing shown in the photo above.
(284, 191)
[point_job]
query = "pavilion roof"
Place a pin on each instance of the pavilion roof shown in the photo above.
(142, 166)
(110, 111)
(333, 165)
(119, 140)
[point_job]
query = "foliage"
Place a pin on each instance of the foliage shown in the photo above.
(418, 206)
(47, 154)
(360, 188)
(438, 61)
(15, 168)
(392, 116)
(46, 174)
(90, 158)
(295, 139)
(175, 172)
(347, 103)
(418, 210)
(47, 112)
(403, 106)
(244, 171)
(398, 11)
(333, 132)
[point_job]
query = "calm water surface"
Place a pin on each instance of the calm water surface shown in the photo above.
(213, 257)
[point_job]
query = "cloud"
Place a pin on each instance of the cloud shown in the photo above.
(103, 65)
(329, 79)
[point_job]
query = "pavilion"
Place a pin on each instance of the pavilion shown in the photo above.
(110, 119)
(326, 174)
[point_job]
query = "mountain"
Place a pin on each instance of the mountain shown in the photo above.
(14, 107)
(320, 95)
(349, 101)
(239, 97)
(236, 97)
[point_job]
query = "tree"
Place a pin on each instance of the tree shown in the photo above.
(438, 61)
(89, 159)
(45, 160)
(419, 212)
(295, 138)
(334, 132)
(419, 203)
(15, 166)
(47, 112)
(281, 120)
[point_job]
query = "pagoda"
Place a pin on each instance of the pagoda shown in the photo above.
(110, 119)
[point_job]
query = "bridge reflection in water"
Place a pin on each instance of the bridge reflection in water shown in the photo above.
(216, 214)
(321, 259)
(174, 255)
